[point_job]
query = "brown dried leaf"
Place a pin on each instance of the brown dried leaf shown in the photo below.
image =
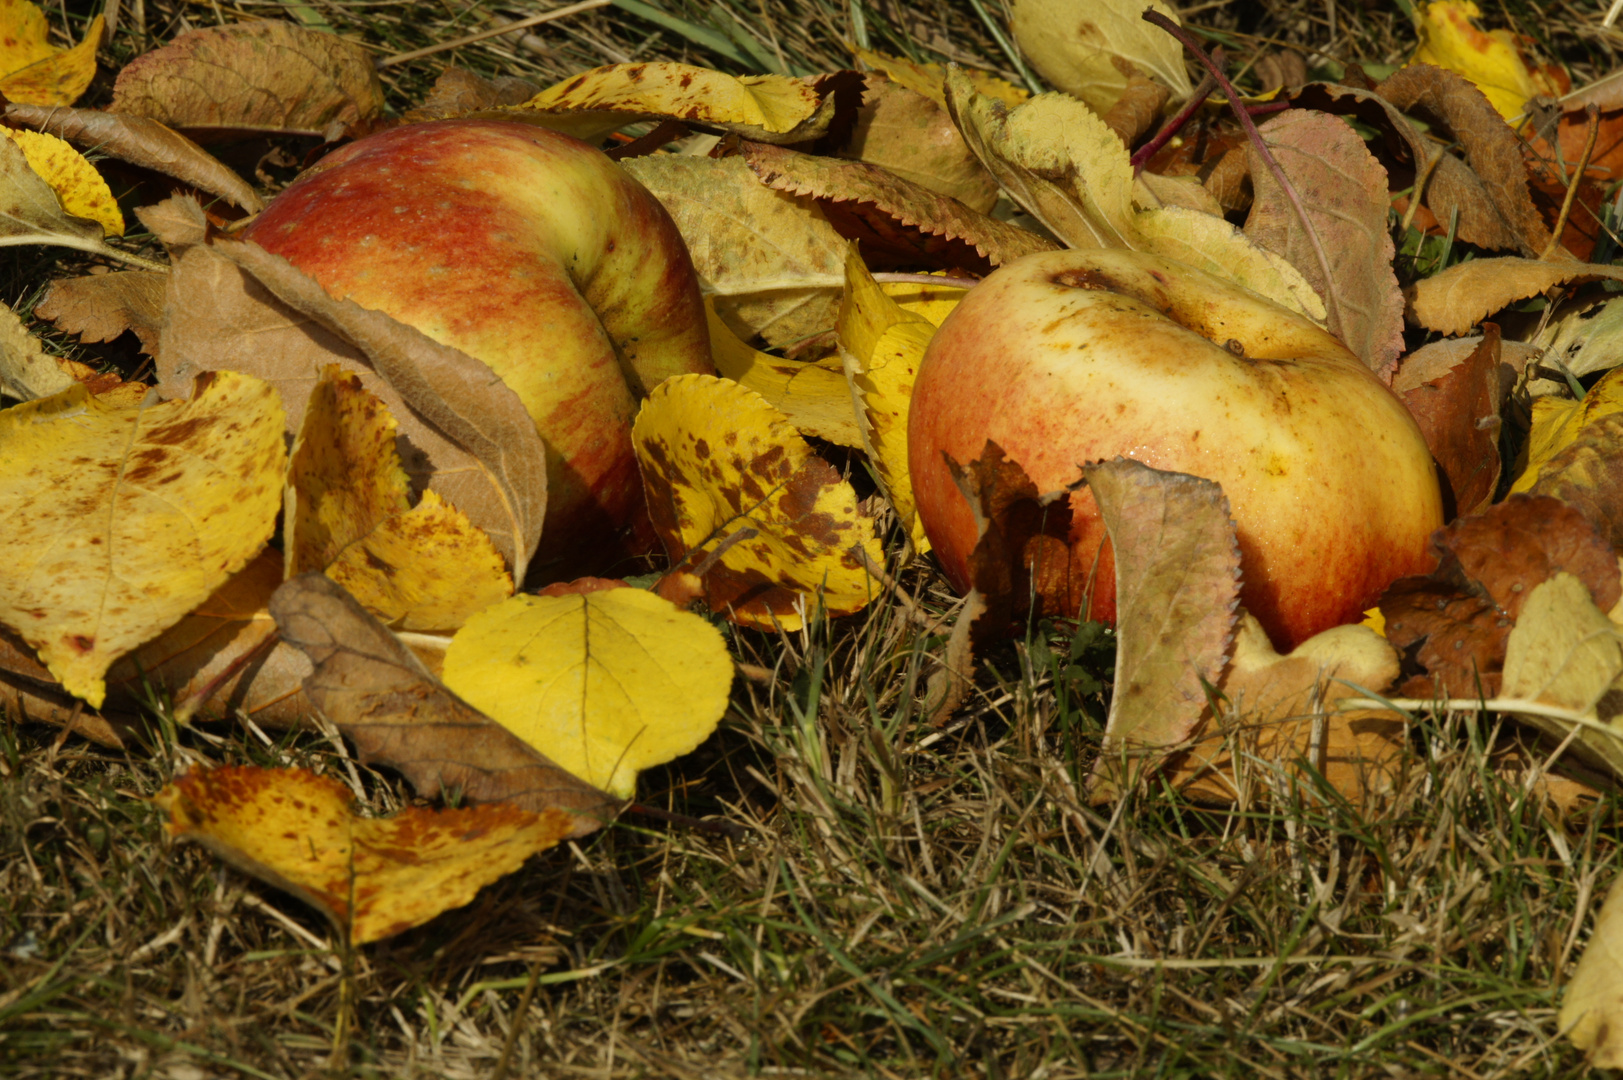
(100, 307)
(902, 130)
(380, 696)
(1458, 413)
(26, 370)
(1588, 476)
(1453, 104)
(1281, 711)
(1457, 299)
(1177, 588)
(1212, 150)
(142, 142)
(31, 213)
(771, 259)
(931, 229)
(253, 76)
(1139, 106)
(233, 305)
(459, 91)
(1343, 248)
(1454, 187)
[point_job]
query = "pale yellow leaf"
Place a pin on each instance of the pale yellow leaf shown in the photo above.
(1072, 44)
(1592, 1005)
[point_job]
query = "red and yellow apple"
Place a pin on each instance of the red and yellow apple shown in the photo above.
(528, 250)
(1069, 357)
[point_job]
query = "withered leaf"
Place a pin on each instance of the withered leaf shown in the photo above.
(1453, 301)
(26, 370)
(1021, 566)
(1454, 187)
(771, 259)
(233, 305)
(1458, 413)
(142, 142)
(1073, 45)
(100, 307)
(30, 212)
(380, 696)
(1454, 105)
(1592, 1004)
(904, 131)
(1139, 106)
(1588, 476)
(1456, 636)
(928, 228)
(1343, 248)
(459, 91)
(1177, 588)
(267, 75)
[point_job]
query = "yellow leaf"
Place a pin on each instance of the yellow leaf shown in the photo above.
(596, 102)
(605, 683)
(813, 396)
(373, 877)
(24, 36)
(78, 186)
(1557, 423)
(934, 302)
(1592, 1006)
(120, 521)
(1074, 43)
(722, 466)
(883, 344)
(1491, 60)
(348, 510)
(55, 77)
(927, 79)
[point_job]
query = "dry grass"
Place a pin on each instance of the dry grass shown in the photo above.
(906, 901)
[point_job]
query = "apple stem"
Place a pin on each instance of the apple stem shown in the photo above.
(1187, 41)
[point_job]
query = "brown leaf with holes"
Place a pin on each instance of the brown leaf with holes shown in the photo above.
(1343, 247)
(1458, 413)
(913, 224)
(1456, 621)
(257, 76)
(902, 130)
(459, 91)
(1021, 567)
(1177, 590)
(1588, 476)
(1454, 186)
(100, 307)
(1453, 105)
(380, 696)
(142, 142)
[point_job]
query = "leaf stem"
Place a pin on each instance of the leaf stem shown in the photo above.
(1196, 99)
(1187, 41)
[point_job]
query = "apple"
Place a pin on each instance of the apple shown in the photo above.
(528, 250)
(1068, 357)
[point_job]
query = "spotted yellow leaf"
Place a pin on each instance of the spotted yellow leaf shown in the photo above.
(769, 108)
(813, 396)
(604, 683)
(349, 513)
(725, 471)
(883, 344)
(927, 79)
(1557, 423)
(49, 76)
(373, 877)
(78, 186)
(1490, 59)
(117, 522)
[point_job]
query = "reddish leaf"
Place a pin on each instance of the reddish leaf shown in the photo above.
(1458, 412)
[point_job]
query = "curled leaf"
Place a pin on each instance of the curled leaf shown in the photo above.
(721, 466)
(1456, 299)
(1073, 44)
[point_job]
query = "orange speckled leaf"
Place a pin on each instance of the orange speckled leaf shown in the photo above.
(78, 186)
(349, 513)
(24, 36)
(717, 459)
(373, 877)
(58, 78)
(117, 522)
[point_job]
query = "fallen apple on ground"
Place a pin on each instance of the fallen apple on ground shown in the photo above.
(528, 250)
(1070, 357)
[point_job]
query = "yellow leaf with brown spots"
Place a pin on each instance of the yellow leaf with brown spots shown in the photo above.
(423, 567)
(51, 76)
(813, 396)
(734, 490)
(883, 344)
(78, 186)
(117, 522)
(605, 683)
(24, 35)
(767, 108)
(373, 877)
(927, 79)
